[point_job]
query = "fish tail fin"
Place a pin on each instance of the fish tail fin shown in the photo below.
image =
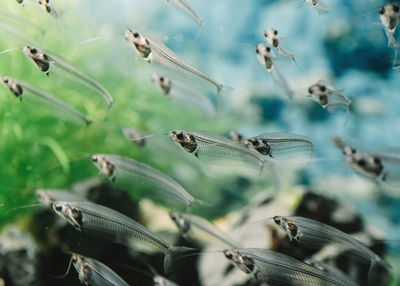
(174, 253)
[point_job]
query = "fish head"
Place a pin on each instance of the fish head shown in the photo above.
(236, 136)
(31, 52)
(163, 83)
(317, 89)
(244, 262)
(141, 44)
(389, 16)
(180, 221)
(12, 85)
(77, 262)
(104, 165)
(72, 214)
(183, 138)
(272, 37)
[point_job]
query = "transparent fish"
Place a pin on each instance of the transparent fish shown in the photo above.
(190, 225)
(126, 170)
(272, 37)
(279, 269)
(163, 83)
(185, 7)
(134, 136)
(49, 196)
(171, 64)
(280, 145)
(93, 272)
(48, 62)
(93, 218)
(319, 5)
(178, 90)
(380, 165)
(389, 17)
(22, 89)
(203, 143)
(267, 58)
(314, 233)
(48, 7)
(329, 97)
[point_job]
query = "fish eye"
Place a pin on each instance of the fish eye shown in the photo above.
(362, 162)
(395, 8)
(310, 90)
(228, 254)
(322, 88)
(376, 160)
(33, 51)
(268, 49)
(277, 220)
(136, 35)
(74, 210)
(257, 51)
(58, 208)
(275, 32)
(94, 158)
(161, 78)
(5, 81)
(382, 10)
(179, 136)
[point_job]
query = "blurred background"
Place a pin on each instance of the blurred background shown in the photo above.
(38, 149)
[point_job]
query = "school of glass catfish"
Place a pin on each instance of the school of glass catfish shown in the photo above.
(260, 153)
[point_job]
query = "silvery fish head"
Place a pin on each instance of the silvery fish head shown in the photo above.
(244, 262)
(180, 221)
(389, 15)
(271, 35)
(44, 197)
(105, 166)
(69, 213)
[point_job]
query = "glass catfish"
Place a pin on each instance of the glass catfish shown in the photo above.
(24, 90)
(280, 145)
(272, 37)
(380, 165)
(97, 219)
(93, 272)
(267, 58)
(195, 227)
(48, 62)
(314, 233)
(170, 64)
(329, 97)
(279, 269)
(123, 170)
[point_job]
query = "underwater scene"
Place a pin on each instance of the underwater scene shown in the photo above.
(199, 142)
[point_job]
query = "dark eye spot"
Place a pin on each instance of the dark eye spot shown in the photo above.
(322, 88)
(353, 151)
(74, 210)
(265, 34)
(277, 220)
(257, 51)
(275, 32)
(362, 162)
(377, 160)
(310, 91)
(5, 81)
(382, 11)
(136, 35)
(395, 8)
(161, 78)
(179, 136)
(268, 49)
(34, 51)
(94, 158)
(228, 255)
(58, 208)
